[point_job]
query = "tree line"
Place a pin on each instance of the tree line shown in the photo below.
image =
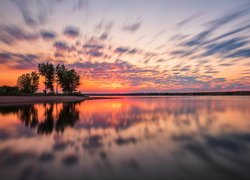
(67, 79)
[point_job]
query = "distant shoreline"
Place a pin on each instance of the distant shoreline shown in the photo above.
(25, 100)
(229, 93)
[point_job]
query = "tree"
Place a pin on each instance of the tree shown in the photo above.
(48, 71)
(60, 70)
(34, 81)
(69, 81)
(28, 83)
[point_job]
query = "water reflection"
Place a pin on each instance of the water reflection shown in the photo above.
(129, 138)
(67, 116)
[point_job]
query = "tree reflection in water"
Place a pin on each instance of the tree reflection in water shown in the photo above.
(28, 115)
(47, 126)
(68, 117)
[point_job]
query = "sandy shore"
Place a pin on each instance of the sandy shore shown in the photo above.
(20, 100)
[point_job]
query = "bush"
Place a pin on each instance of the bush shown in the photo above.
(9, 90)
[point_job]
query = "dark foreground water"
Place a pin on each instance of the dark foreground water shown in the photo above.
(130, 138)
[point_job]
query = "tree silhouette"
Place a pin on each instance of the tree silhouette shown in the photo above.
(48, 71)
(70, 81)
(28, 83)
(60, 69)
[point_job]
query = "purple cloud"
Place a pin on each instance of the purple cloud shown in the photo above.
(63, 46)
(11, 34)
(121, 50)
(92, 46)
(48, 35)
(19, 61)
(71, 32)
(132, 27)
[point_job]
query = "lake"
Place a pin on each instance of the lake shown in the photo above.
(128, 138)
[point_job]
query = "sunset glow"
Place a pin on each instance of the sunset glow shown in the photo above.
(130, 46)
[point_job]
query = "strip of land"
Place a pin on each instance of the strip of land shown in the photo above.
(21, 100)
(25, 100)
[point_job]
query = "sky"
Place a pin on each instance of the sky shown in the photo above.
(121, 46)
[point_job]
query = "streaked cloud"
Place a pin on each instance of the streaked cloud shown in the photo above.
(12, 34)
(137, 49)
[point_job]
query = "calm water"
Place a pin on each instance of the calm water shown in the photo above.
(128, 138)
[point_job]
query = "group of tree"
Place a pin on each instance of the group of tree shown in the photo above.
(67, 79)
